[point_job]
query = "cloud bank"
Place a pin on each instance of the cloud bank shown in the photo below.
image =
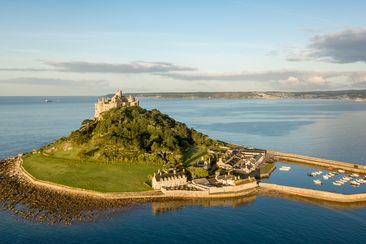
(347, 46)
(134, 67)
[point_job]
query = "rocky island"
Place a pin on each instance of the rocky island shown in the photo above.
(128, 154)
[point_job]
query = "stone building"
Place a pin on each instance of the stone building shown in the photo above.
(168, 179)
(118, 100)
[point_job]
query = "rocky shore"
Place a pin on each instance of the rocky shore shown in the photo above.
(51, 203)
(42, 204)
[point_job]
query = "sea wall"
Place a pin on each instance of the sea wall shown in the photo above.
(315, 194)
(215, 192)
(289, 157)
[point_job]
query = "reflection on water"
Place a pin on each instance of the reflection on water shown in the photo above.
(174, 205)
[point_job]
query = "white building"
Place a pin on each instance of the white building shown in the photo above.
(168, 179)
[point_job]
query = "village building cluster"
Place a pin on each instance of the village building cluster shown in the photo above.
(117, 101)
(232, 167)
(242, 161)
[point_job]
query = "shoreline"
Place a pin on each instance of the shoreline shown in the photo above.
(229, 192)
(43, 201)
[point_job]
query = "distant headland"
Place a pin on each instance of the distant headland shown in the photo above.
(357, 95)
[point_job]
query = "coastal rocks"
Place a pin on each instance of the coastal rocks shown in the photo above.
(43, 205)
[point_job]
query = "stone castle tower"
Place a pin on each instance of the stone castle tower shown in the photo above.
(118, 100)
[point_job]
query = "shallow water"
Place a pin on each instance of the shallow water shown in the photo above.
(330, 129)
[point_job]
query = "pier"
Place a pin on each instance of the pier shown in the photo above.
(314, 194)
(295, 158)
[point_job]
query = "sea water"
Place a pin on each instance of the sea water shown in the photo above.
(323, 128)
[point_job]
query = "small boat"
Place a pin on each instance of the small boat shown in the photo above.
(354, 175)
(285, 168)
(317, 182)
(361, 181)
(355, 183)
(341, 171)
(337, 183)
(47, 101)
(326, 177)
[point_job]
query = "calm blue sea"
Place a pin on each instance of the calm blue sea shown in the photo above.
(325, 128)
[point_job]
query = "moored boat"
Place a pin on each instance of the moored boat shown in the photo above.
(317, 182)
(355, 183)
(285, 168)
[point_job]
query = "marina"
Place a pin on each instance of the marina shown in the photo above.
(330, 180)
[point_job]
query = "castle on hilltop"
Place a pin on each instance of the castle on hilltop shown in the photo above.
(117, 101)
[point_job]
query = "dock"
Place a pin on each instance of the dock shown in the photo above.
(296, 158)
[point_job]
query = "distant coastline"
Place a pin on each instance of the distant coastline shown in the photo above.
(354, 95)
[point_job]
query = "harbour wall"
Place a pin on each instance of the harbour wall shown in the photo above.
(289, 157)
(215, 192)
(314, 194)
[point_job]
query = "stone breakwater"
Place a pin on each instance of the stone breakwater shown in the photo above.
(314, 194)
(289, 157)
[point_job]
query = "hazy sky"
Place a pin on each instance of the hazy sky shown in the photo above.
(93, 47)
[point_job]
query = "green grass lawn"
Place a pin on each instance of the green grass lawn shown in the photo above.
(102, 177)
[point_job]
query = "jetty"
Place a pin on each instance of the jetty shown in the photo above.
(314, 194)
(296, 158)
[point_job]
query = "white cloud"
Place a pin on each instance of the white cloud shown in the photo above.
(134, 67)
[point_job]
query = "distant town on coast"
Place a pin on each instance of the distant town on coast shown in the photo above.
(357, 95)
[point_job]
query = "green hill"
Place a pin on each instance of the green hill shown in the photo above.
(119, 152)
(131, 134)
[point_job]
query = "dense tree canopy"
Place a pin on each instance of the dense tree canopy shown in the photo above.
(136, 134)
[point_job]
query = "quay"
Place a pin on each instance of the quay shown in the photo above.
(314, 194)
(295, 158)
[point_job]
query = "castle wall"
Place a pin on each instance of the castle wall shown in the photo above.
(118, 100)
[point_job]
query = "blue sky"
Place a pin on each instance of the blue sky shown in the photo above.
(93, 47)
